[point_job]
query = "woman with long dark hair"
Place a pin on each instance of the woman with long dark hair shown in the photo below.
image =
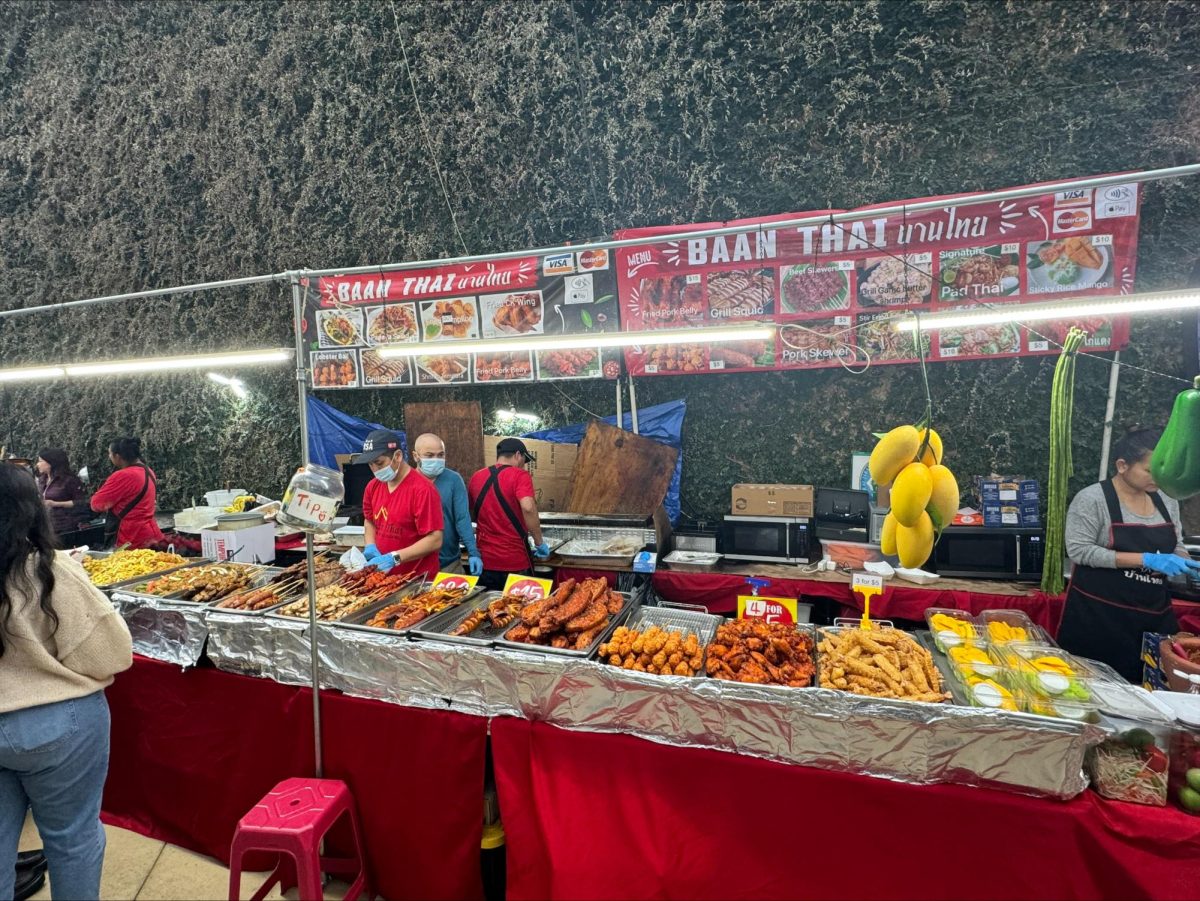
(1124, 537)
(130, 496)
(62, 492)
(61, 643)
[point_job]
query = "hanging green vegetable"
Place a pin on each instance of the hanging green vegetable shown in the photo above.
(1175, 463)
(1062, 401)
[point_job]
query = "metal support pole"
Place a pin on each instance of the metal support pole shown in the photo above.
(1105, 445)
(633, 406)
(620, 412)
(302, 389)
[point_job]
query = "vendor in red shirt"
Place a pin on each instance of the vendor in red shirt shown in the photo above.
(130, 495)
(402, 511)
(506, 515)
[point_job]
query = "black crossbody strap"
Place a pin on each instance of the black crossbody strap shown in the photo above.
(493, 485)
(141, 494)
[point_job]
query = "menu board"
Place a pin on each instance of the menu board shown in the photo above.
(831, 292)
(348, 318)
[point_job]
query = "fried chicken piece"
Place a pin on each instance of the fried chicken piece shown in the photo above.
(519, 632)
(584, 640)
(578, 602)
(614, 602)
(560, 641)
(533, 611)
(595, 615)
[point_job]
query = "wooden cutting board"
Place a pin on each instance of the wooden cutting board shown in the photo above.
(460, 425)
(620, 472)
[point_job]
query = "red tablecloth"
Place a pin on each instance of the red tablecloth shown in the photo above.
(591, 815)
(193, 750)
(719, 591)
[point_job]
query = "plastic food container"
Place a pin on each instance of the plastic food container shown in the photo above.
(964, 632)
(1048, 672)
(1008, 626)
(992, 694)
(1183, 783)
(974, 661)
(1132, 762)
(312, 499)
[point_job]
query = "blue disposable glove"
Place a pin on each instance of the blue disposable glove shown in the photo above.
(475, 565)
(1169, 564)
(370, 552)
(542, 550)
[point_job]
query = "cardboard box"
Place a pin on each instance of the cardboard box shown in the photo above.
(254, 545)
(1030, 513)
(1009, 491)
(551, 472)
(772, 500)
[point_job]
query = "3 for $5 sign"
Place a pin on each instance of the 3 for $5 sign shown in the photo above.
(771, 610)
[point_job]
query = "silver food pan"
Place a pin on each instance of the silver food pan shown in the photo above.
(145, 577)
(262, 580)
(629, 604)
(256, 575)
(359, 619)
(439, 627)
(275, 613)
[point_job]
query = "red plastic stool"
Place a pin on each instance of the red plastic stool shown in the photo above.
(292, 819)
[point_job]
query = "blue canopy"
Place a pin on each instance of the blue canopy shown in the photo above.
(662, 422)
(332, 432)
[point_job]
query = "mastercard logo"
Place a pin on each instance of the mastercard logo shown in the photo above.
(593, 259)
(1070, 220)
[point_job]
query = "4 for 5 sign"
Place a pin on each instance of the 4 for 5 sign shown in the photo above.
(772, 610)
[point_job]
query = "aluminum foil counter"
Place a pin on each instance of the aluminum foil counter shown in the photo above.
(904, 741)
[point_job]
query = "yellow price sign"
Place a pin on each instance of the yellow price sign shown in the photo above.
(868, 586)
(528, 587)
(454, 580)
(772, 610)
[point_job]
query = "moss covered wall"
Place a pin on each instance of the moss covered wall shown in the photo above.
(148, 144)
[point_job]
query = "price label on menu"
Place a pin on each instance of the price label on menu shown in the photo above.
(528, 587)
(1010, 248)
(309, 507)
(948, 351)
(716, 364)
(841, 320)
(693, 279)
(651, 368)
(454, 580)
(771, 610)
(1039, 345)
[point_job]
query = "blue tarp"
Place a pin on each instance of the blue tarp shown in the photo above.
(663, 423)
(332, 432)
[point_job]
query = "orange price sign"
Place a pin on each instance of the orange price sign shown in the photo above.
(454, 580)
(772, 610)
(528, 587)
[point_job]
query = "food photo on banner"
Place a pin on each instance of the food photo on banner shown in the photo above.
(834, 291)
(350, 318)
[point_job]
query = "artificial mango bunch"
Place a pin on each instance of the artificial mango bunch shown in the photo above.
(924, 492)
(1002, 633)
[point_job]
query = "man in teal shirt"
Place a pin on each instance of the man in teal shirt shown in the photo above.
(429, 457)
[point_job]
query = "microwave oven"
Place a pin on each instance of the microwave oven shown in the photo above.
(975, 552)
(767, 539)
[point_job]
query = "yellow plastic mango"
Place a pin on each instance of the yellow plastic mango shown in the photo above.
(911, 494)
(894, 451)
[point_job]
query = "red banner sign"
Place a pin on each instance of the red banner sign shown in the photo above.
(832, 291)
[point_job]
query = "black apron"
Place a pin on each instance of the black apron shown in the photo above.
(492, 485)
(1107, 610)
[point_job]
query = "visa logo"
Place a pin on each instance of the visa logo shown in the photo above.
(1073, 197)
(559, 264)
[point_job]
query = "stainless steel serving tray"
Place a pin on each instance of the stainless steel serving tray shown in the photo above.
(683, 618)
(132, 588)
(630, 604)
(438, 628)
(359, 619)
(145, 577)
(260, 580)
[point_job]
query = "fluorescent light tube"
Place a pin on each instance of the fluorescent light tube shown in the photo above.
(33, 373)
(169, 364)
(1080, 307)
(578, 342)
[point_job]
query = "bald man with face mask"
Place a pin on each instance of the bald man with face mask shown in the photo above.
(429, 457)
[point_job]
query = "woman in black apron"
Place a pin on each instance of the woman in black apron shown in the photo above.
(1122, 538)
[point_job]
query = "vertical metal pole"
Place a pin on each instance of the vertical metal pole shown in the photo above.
(620, 412)
(633, 406)
(302, 388)
(1106, 443)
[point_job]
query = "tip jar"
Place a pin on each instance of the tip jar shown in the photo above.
(312, 499)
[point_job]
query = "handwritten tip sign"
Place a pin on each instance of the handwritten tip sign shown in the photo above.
(528, 587)
(771, 610)
(868, 585)
(454, 581)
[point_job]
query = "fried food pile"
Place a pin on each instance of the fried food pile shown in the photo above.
(352, 593)
(411, 610)
(572, 617)
(761, 653)
(120, 566)
(879, 663)
(327, 572)
(654, 651)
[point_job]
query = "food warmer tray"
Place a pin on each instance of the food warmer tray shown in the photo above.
(950, 679)
(683, 618)
(439, 626)
(630, 604)
(402, 591)
(692, 561)
(359, 619)
(585, 548)
(261, 580)
(257, 580)
(144, 577)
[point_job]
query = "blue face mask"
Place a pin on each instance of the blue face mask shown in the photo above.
(386, 474)
(433, 466)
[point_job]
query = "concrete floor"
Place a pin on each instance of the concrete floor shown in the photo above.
(136, 867)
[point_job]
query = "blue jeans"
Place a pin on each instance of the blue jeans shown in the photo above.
(54, 758)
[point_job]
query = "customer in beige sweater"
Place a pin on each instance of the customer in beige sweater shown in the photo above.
(61, 643)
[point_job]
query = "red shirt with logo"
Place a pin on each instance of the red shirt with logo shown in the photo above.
(403, 516)
(501, 548)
